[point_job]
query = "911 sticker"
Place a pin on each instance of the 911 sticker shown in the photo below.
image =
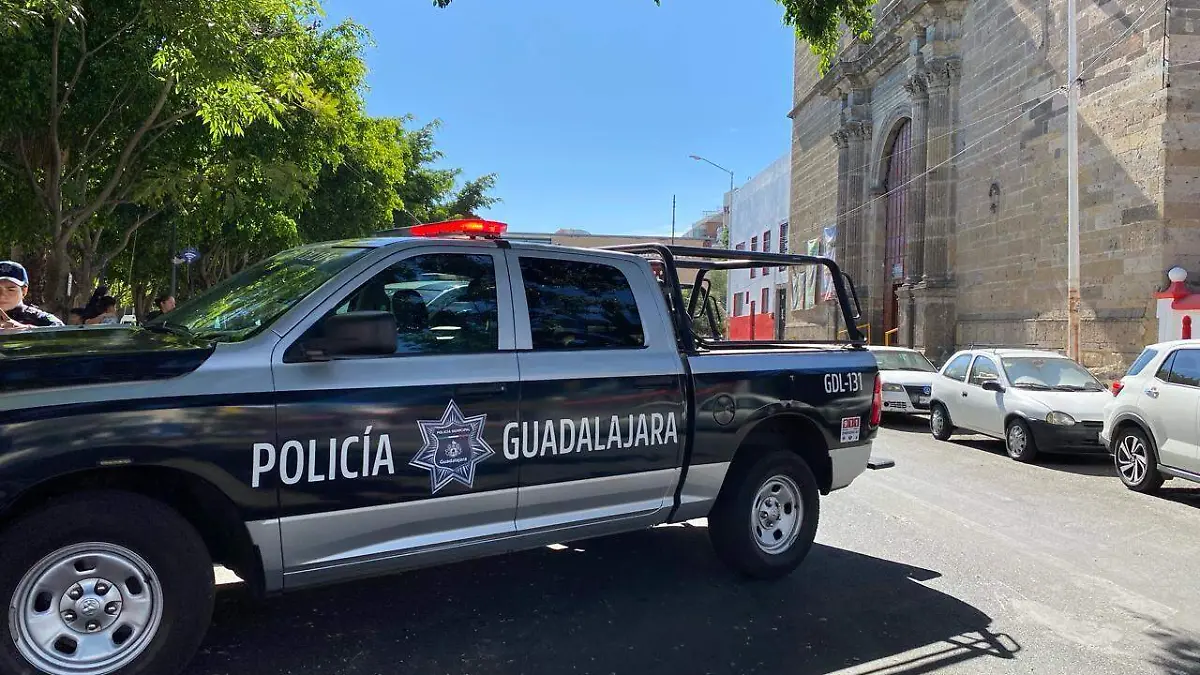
(850, 429)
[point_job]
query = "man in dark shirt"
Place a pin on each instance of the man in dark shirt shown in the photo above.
(165, 303)
(14, 282)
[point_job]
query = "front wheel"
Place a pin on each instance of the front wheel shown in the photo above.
(103, 583)
(939, 422)
(764, 523)
(1018, 442)
(1135, 461)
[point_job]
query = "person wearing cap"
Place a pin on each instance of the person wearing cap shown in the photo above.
(14, 283)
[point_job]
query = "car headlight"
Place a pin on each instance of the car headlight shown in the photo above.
(888, 386)
(1062, 419)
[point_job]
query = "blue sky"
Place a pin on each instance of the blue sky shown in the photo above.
(587, 110)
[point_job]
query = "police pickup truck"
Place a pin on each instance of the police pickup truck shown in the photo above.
(364, 407)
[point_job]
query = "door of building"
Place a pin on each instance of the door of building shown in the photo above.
(780, 311)
(894, 216)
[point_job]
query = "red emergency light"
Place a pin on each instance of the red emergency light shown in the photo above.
(471, 227)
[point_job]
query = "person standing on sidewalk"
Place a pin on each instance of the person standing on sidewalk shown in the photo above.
(14, 284)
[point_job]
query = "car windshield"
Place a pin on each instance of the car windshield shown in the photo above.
(253, 299)
(1049, 374)
(903, 360)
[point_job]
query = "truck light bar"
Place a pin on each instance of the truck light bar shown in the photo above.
(472, 227)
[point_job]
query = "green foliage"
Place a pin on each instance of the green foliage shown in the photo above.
(236, 126)
(817, 22)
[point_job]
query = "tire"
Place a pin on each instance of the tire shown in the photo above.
(1135, 461)
(940, 424)
(1018, 442)
(149, 623)
(780, 487)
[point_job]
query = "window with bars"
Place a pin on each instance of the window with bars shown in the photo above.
(766, 249)
(737, 304)
(753, 247)
(765, 300)
(783, 240)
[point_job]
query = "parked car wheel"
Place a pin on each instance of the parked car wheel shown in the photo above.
(103, 583)
(1136, 462)
(764, 523)
(939, 422)
(1018, 442)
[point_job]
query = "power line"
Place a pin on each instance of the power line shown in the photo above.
(945, 161)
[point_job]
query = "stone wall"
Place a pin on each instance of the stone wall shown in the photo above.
(1007, 248)
(814, 182)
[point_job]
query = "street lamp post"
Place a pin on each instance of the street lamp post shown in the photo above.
(728, 211)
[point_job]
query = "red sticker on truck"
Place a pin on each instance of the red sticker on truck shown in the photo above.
(850, 429)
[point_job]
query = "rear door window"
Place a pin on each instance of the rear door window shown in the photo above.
(580, 305)
(1185, 368)
(957, 369)
(1164, 371)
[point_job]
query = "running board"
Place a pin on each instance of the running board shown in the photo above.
(1179, 473)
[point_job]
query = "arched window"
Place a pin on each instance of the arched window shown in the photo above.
(898, 175)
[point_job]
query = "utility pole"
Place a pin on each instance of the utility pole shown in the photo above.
(1072, 183)
(672, 220)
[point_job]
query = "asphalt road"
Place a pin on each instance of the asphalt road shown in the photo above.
(958, 560)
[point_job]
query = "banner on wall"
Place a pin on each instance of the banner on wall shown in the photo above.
(799, 287)
(812, 247)
(828, 241)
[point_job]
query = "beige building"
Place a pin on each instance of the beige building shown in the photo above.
(939, 152)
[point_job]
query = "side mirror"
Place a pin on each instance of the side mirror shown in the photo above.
(353, 334)
(993, 385)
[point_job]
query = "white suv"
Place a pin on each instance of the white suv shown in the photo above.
(1152, 426)
(1033, 400)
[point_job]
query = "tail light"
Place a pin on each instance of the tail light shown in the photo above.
(1117, 386)
(877, 402)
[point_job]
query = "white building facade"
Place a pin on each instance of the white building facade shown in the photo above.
(758, 298)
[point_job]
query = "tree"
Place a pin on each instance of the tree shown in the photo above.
(428, 193)
(817, 22)
(113, 106)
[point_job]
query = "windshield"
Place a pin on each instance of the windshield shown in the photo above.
(253, 299)
(903, 360)
(1049, 374)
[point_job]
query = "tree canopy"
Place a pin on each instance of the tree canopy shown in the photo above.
(817, 22)
(237, 125)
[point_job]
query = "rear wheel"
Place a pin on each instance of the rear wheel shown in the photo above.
(1136, 463)
(1018, 442)
(104, 583)
(765, 521)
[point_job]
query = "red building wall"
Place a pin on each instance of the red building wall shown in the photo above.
(752, 327)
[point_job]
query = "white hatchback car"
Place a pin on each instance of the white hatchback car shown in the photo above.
(1152, 426)
(907, 379)
(1033, 400)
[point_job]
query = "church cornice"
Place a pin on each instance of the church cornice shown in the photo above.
(860, 64)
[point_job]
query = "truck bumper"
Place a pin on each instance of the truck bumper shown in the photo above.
(847, 463)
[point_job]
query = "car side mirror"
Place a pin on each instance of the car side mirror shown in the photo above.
(353, 334)
(993, 385)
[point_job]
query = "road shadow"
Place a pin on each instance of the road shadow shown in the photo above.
(1098, 466)
(906, 423)
(654, 601)
(1178, 650)
(1189, 496)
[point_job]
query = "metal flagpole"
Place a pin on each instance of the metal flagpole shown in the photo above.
(672, 219)
(1072, 183)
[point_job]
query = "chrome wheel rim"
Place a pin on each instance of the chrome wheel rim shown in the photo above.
(937, 420)
(1016, 440)
(777, 515)
(86, 609)
(1132, 459)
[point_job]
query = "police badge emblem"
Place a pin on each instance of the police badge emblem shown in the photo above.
(454, 446)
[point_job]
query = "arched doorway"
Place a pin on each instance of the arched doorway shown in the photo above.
(897, 176)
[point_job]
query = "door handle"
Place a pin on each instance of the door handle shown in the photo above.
(481, 389)
(1152, 392)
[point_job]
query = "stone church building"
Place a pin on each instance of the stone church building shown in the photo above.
(939, 152)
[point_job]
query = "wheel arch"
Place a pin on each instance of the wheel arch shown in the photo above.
(196, 499)
(1127, 420)
(793, 431)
